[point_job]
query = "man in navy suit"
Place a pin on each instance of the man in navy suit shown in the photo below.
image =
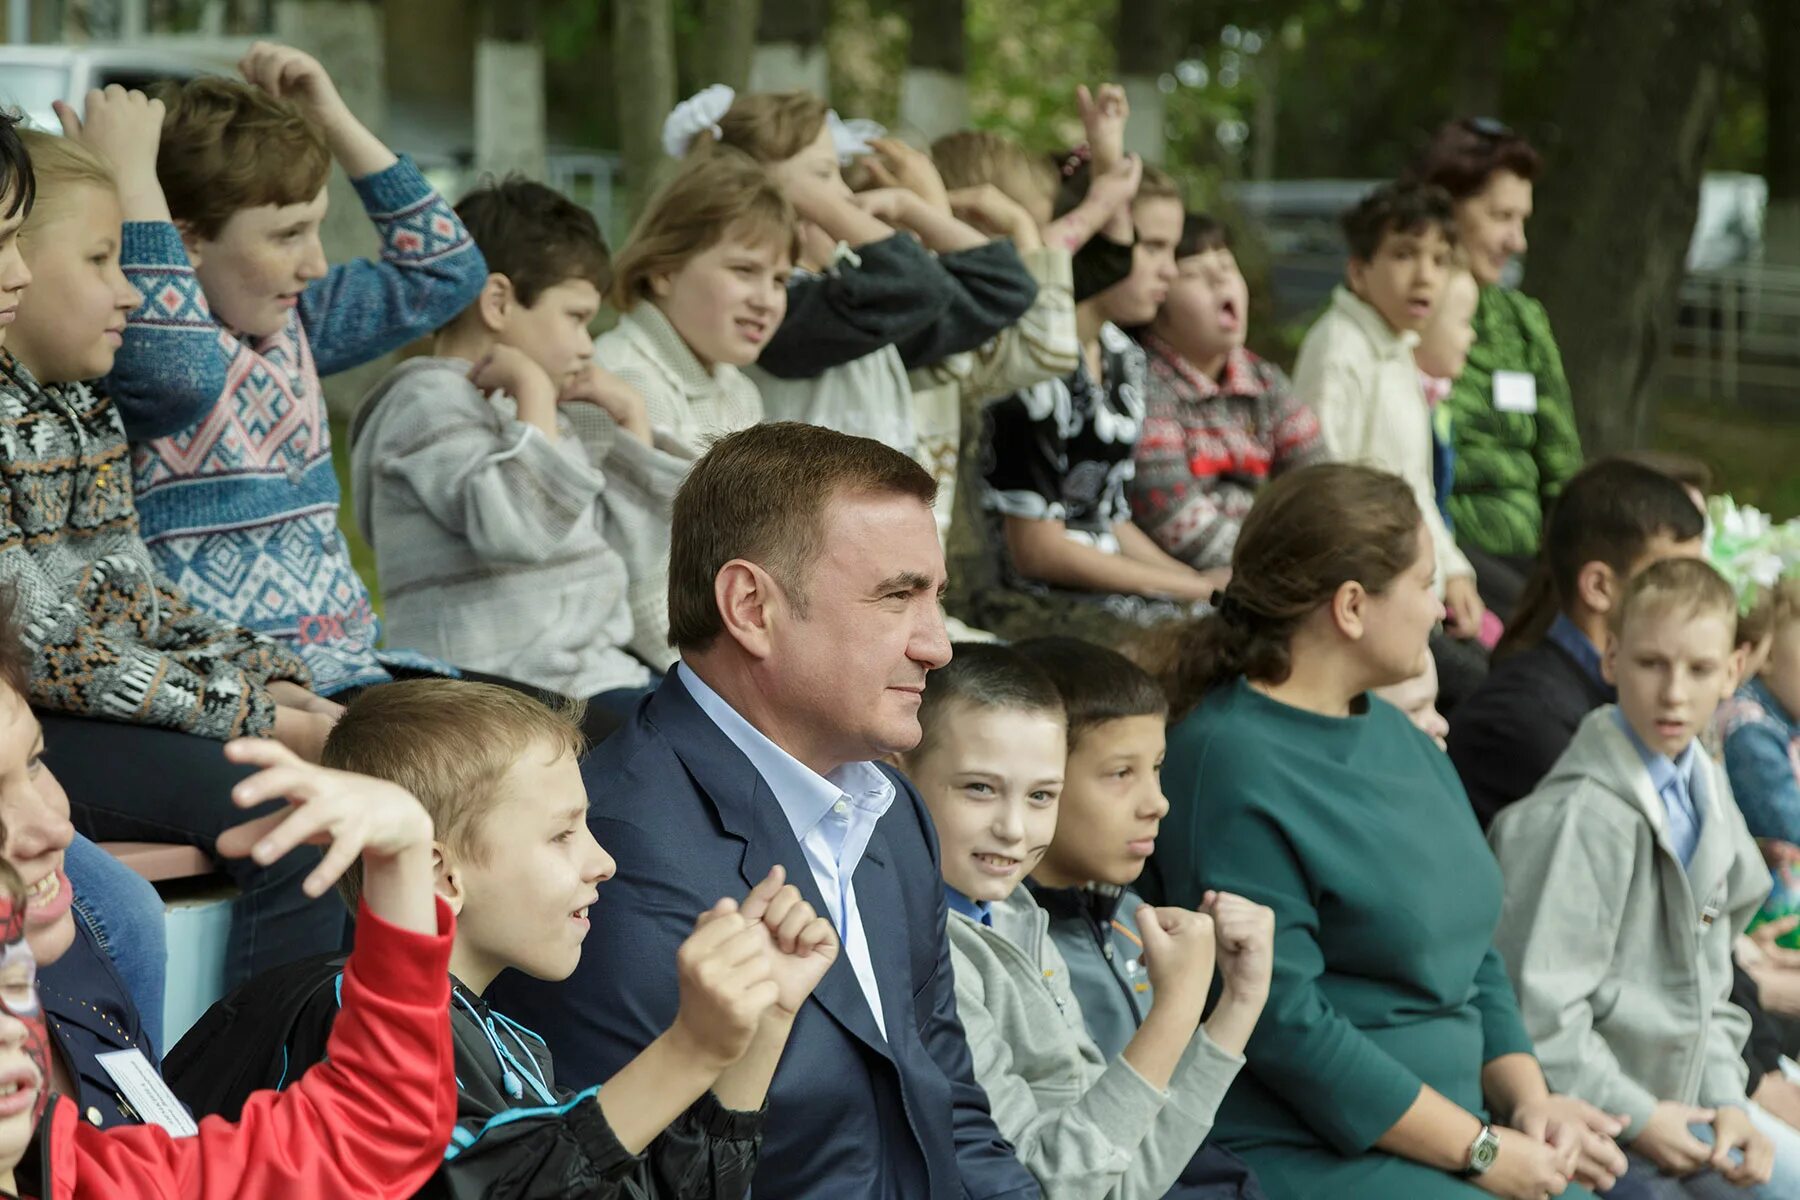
(804, 583)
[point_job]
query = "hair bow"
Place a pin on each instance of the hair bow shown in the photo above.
(699, 113)
(851, 138)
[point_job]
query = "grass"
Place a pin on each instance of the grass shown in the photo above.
(1754, 456)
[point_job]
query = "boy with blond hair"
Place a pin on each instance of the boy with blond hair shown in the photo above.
(1629, 872)
(513, 857)
(218, 376)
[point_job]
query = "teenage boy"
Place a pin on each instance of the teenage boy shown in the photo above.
(218, 377)
(1356, 364)
(514, 859)
(1219, 421)
(990, 767)
(1111, 807)
(473, 485)
(1629, 872)
(1612, 520)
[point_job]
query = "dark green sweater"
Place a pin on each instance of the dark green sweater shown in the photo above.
(1510, 465)
(1357, 833)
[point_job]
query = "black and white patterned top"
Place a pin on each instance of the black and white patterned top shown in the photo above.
(1062, 450)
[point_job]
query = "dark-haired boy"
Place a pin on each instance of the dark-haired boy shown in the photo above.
(489, 516)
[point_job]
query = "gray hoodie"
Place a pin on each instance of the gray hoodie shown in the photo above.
(496, 546)
(1086, 1128)
(1621, 958)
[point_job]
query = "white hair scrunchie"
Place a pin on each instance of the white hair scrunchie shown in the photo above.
(851, 138)
(699, 113)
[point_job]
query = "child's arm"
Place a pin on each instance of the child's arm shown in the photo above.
(1043, 344)
(430, 269)
(1103, 115)
(373, 1118)
(1107, 196)
(1763, 779)
(868, 297)
(1042, 550)
(1138, 546)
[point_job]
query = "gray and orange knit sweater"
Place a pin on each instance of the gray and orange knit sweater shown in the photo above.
(110, 636)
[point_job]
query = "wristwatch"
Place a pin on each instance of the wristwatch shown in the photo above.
(1482, 1152)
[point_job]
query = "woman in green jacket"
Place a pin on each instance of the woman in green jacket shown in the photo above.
(1512, 422)
(1390, 1060)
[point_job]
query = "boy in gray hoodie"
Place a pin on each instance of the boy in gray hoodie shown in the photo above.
(1629, 871)
(990, 767)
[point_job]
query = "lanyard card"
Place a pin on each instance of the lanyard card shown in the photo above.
(145, 1091)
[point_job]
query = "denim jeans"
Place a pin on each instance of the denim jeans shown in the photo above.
(1784, 1184)
(125, 915)
(136, 783)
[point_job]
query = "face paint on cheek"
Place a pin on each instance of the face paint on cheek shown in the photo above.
(15, 952)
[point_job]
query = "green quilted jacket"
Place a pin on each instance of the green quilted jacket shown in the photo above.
(1509, 465)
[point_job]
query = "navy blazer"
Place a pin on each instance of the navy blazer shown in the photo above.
(850, 1115)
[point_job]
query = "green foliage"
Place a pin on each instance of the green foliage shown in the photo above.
(1026, 58)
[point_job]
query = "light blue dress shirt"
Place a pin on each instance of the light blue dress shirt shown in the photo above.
(833, 816)
(1673, 780)
(975, 910)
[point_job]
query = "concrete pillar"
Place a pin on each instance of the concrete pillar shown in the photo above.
(509, 107)
(933, 102)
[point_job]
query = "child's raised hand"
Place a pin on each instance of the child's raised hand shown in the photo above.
(726, 983)
(896, 164)
(1244, 935)
(290, 74)
(1103, 115)
(1178, 953)
(802, 946)
(1112, 189)
(994, 212)
(124, 128)
(889, 205)
(353, 815)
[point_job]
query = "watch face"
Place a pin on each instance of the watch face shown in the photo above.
(1484, 1152)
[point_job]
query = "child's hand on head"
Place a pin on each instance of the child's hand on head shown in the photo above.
(1244, 936)
(994, 212)
(124, 128)
(352, 815)
(727, 984)
(290, 74)
(889, 205)
(802, 944)
(896, 164)
(1103, 115)
(1178, 953)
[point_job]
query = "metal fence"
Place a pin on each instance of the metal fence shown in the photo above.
(1737, 340)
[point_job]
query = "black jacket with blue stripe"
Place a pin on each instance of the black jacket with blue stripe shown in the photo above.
(518, 1136)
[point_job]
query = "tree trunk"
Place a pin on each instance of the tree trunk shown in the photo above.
(509, 91)
(1481, 53)
(1619, 197)
(346, 37)
(934, 91)
(729, 39)
(644, 90)
(1781, 93)
(1147, 49)
(790, 48)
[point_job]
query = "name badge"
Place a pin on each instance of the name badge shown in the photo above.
(1515, 392)
(145, 1091)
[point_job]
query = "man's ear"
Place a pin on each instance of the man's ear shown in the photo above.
(191, 242)
(750, 603)
(1597, 587)
(495, 303)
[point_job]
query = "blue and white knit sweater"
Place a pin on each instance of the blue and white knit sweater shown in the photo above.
(232, 454)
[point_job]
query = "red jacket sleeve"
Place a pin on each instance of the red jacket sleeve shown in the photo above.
(372, 1120)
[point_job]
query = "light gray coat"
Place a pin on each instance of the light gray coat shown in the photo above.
(1621, 958)
(1088, 1129)
(491, 541)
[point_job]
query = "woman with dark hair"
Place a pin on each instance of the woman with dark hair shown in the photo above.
(1513, 425)
(1390, 1060)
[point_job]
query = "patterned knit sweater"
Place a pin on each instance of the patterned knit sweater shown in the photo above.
(1209, 445)
(232, 461)
(109, 636)
(1509, 465)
